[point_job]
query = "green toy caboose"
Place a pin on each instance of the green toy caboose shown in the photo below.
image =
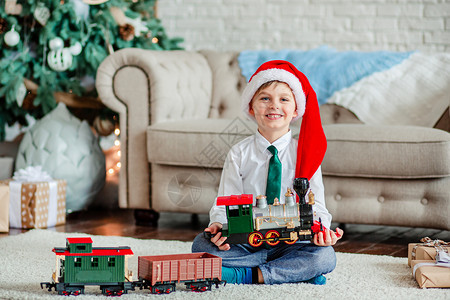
(79, 264)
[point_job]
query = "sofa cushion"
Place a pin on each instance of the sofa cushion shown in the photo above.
(200, 143)
(386, 151)
(354, 150)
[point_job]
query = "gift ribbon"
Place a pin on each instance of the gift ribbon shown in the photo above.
(53, 203)
(426, 241)
(442, 260)
(15, 212)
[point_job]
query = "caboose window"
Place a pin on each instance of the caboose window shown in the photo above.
(111, 262)
(81, 247)
(94, 262)
(77, 262)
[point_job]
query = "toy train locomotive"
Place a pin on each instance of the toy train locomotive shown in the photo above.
(80, 265)
(272, 224)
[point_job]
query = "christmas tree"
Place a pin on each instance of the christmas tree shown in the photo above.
(51, 49)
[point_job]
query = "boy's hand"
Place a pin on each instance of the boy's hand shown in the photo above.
(217, 239)
(328, 237)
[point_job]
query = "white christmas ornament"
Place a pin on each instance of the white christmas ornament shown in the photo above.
(56, 43)
(41, 13)
(76, 49)
(67, 149)
(60, 59)
(12, 37)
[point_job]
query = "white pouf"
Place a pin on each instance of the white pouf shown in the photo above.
(67, 149)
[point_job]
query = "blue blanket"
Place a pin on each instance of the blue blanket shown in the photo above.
(327, 69)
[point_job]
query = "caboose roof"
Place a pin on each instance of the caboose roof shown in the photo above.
(100, 251)
(235, 199)
(79, 240)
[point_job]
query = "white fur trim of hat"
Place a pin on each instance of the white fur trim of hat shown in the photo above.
(270, 75)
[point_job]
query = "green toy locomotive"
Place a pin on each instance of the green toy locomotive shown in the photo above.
(272, 224)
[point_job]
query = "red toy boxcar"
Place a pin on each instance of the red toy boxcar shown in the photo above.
(198, 271)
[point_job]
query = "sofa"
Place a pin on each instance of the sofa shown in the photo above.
(179, 114)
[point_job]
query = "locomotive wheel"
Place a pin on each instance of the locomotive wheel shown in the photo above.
(255, 238)
(291, 242)
(272, 237)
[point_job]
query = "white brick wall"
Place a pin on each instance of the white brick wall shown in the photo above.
(304, 24)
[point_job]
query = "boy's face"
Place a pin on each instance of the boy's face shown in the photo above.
(274, 107)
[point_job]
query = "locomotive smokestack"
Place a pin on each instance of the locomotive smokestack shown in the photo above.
(301, 186)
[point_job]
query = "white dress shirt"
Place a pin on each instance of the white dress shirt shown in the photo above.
(245, 172)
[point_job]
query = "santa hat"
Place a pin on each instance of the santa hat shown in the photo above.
(312, 142)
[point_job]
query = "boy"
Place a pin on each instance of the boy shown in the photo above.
(276, 95)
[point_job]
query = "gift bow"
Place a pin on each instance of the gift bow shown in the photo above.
(436, 243)
(32, 174)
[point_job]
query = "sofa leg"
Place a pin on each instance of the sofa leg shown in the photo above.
(342, 226)
(195, 221)
(146, 217)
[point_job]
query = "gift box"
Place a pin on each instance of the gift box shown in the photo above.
(428, 274)
(4, 207)
(36, 200)
(425, 250)
(37, 204)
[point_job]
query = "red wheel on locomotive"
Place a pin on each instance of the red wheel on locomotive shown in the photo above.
(272, 237)
(255, 239)
(291, 242)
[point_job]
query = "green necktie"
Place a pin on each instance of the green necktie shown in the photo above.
(273, 187)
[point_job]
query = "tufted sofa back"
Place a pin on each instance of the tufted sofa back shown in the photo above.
(180, 88)
(227, 84)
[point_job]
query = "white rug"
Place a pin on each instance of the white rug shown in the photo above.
(27, 259)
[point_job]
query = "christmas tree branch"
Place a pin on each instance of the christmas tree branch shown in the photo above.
(69, 99)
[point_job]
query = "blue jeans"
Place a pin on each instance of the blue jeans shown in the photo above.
(279, 264)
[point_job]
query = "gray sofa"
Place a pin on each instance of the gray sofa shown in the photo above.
(180, 114)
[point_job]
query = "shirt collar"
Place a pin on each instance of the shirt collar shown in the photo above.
(280, 144)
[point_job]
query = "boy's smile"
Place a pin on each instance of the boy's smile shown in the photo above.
(273, 107)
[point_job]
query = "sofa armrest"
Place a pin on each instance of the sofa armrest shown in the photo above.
(146, 87)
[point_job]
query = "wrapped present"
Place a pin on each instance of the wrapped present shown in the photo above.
(426, 250)
(4, 207)
(36, 200)
(433, 274)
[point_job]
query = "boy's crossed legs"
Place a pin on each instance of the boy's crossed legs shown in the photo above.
(279, 264)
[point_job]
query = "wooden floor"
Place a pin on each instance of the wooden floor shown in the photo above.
(380, 240)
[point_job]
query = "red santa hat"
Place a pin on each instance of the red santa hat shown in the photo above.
(312, 142)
